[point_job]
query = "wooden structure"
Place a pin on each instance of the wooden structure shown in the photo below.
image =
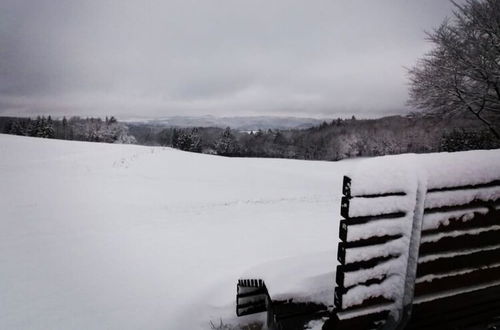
(456, 283)
(252, 297)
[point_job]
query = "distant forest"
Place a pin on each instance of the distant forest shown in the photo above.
(332, 140)
(81, 129)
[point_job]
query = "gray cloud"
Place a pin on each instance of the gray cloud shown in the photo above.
(222, 57)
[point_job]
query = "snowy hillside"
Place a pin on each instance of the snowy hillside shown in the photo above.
(102, 236)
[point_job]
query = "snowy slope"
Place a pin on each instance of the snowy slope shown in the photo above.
(100, 236)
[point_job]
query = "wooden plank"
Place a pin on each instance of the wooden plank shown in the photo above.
(251, 296)
(442, 312)
(474, 315)
(346, 191)
(371, 241)
(255, 308)
(343, 230)
(370, 218)
(478, 221)
(345, 203)
(343, 290)
(462, 242)
(373, 301)
(258, 291)
(367, 321)
(344, 206)
(291, 310)
(472, 260)
(355, 266)
(250, 282)
(466, 187)
(346, 186)
(341, 253)
(458, 281)
(464, 207)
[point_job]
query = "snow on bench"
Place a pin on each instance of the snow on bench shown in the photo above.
(431, 263)
(419, 247)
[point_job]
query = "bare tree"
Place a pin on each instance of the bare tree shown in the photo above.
(462, 72)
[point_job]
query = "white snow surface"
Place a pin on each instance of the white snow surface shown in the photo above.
(105, 236)
(389, 174)
(461, 168)
(304, 278)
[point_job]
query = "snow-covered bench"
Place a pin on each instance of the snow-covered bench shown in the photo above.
(419, 248)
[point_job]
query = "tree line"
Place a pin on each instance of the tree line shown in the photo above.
(75, 128)
(333, 140)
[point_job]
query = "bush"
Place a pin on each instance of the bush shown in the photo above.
(462, 140)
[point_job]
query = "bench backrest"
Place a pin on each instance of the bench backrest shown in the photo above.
(409, 248)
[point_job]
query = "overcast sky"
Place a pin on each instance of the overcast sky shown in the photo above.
(221, 57)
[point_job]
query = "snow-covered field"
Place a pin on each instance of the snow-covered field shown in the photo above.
(101, 236)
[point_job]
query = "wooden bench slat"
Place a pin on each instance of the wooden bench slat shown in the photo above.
(433, 314)
(458, 281)
(467, 241)
(355, 266)
(466, 187)
(472, 260)
(478, 221)
(368, 321)
(366, 219)
(376, 240)
(491, 204)
(371, 302)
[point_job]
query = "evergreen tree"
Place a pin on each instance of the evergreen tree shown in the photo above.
(195, 141)
(227, 145)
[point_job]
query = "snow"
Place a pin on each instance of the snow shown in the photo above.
(411, 174)
(448, 293)
(434, 220)
(372, 206)
(388, 289)
(304, 278)
(461, 197)
(388, 174)
(376, 228)
(435, 256)
(101, 236)
(364, 311)
(315, 324)
(457, 233)
(371, 177)
(387, 268)
(432, 277)
(391, 248)
(461, 168)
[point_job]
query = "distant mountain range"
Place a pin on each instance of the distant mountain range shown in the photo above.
(239, 123)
